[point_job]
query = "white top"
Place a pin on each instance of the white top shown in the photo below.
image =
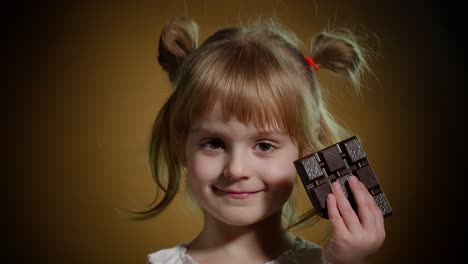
(302, 251)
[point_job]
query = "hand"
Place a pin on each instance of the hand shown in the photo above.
(354, 236)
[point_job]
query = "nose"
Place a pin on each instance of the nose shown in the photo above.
(236, 166)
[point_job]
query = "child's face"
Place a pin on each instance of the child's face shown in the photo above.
(239, 174)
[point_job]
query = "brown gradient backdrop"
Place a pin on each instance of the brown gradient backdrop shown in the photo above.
(83, 88)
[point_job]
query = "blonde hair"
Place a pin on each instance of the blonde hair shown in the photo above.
(258, 73)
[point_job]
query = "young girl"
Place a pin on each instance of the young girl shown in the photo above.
(246, 104)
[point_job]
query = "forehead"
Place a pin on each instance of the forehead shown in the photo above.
(218, 116)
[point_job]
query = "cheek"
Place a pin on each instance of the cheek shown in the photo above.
(281, 172)
(202, 171)
(280, 184)
(281, 176)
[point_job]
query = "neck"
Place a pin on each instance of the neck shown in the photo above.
(266, 238)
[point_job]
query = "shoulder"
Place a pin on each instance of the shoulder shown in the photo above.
(166, 256)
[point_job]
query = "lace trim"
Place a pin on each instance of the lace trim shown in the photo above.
(298, 244)
(186, 258)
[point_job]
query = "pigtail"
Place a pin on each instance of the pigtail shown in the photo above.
(178, 39)
(166, 169)
(340, 52)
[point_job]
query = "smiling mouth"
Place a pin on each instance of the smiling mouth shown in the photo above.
(235, 194)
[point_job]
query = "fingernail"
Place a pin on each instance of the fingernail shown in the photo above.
(336, 186)
(353, 179)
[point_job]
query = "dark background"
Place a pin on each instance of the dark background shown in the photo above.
(83, 87)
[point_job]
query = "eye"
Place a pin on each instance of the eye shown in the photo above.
(213, 144)
(264, 147)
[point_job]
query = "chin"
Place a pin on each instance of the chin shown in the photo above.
(244, 218)
(239, 221)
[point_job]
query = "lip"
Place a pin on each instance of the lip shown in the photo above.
(237, 194)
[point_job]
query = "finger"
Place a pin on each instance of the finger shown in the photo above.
(334, 216)
(350, 218)
(379, 226)
(374, 208)
(364, 202)
(379, 219)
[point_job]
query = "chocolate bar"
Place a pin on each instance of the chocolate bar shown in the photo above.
(336, 163)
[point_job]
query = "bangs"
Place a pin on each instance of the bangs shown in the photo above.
(252, 84)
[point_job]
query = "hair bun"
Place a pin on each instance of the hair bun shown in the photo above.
(341, 52)
(178, 39)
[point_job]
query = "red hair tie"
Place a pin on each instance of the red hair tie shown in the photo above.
(311, 62)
